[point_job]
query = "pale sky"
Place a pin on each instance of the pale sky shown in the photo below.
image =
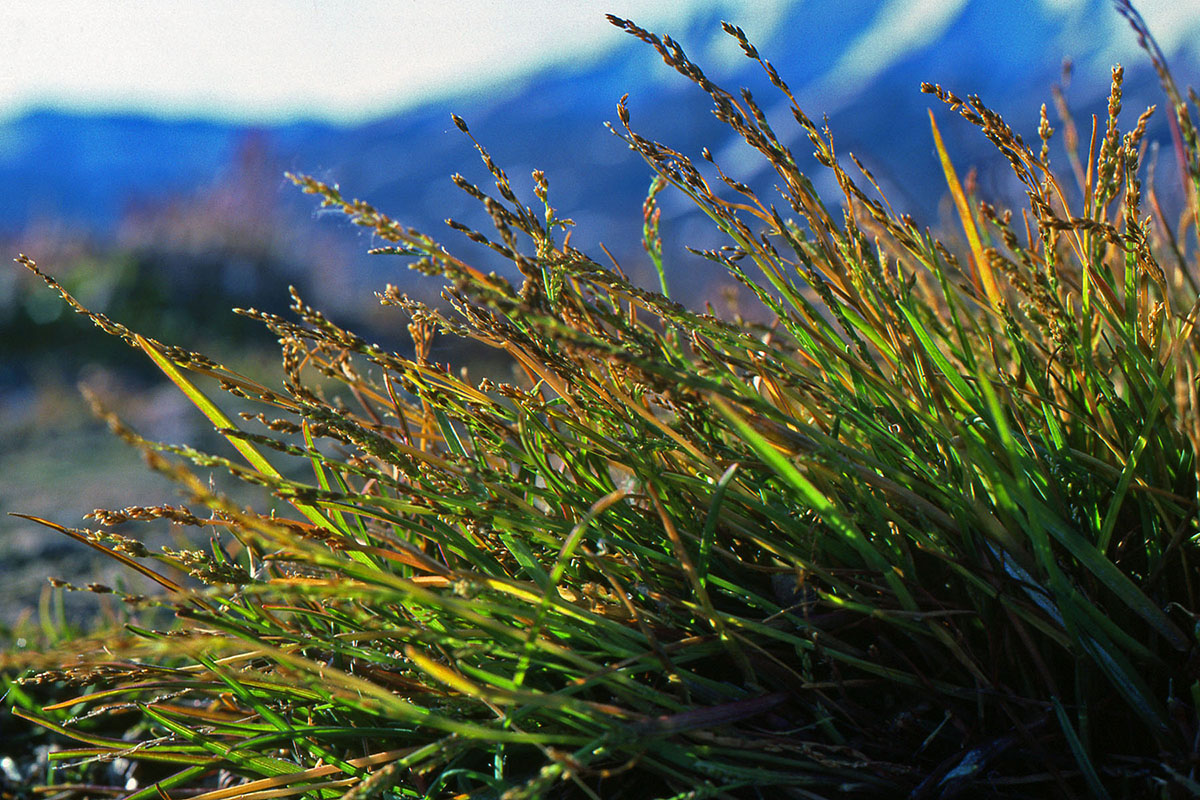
(351, 60)
(270, 60)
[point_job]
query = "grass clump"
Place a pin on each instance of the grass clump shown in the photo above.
(929, 534)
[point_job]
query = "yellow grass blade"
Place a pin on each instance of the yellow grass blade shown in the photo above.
(206, 406)
(220, 420)
(968, 221)
(260, 788)
(166, 583)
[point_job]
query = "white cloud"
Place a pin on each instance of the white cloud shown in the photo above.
(350, 60)
(1174, 25)
(900, 27)
(268, 60)
(1096, 30)
(1064, 6)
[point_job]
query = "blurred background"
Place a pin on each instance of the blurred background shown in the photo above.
(143, 146)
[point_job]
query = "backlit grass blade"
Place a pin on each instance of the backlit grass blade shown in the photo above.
(259, 788)
(828, 511)
(162, 787)
(220, 420)
(206, 406)
(710, 523)
(982, 265)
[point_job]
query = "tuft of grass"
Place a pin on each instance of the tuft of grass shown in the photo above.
(930, 534)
